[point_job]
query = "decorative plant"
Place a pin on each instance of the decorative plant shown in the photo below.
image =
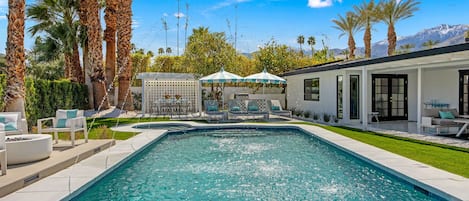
(315, 116)
(167, 96)
(177, 96)
(298, 113)
(334, 119)
(326, 117)
(307, 114)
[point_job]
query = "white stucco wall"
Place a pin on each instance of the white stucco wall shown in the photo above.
(442, 86)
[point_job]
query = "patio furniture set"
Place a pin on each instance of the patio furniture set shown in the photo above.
(444, 118)
(244, 109)
(17, 146)
(171, 106)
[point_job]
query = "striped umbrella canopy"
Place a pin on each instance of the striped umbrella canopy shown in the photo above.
(221, 76)
(265, 78)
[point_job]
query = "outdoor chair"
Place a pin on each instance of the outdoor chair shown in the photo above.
(65, 121)
(212, 110)
(12, 123)
(3, 153)
(276, 109)
(236, 108)
(258, 107)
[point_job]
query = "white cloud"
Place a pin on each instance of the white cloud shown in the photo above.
(180, 15)
(3, 13)
(321, 3)
(165, 14)
(135, 24)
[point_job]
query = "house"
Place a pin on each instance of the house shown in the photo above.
(397, 87)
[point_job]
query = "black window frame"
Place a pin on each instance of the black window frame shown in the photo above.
(308, 89)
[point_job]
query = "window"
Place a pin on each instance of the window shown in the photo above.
(354, 97)
(312, 89)
(340, 81)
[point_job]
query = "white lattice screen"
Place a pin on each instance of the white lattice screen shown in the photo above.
(155, 90)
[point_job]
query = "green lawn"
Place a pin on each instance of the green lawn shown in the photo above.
(449, 158)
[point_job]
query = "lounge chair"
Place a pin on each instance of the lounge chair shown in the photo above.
(258, 107)
(12, 123)
(65, 121)
(237, 108)
(212, 110)
(276, 109)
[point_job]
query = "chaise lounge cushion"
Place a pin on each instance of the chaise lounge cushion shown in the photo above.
(435, 112)
(444, 122)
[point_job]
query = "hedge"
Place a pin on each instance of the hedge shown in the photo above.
(44, 97)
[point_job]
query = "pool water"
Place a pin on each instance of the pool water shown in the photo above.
(247, 164)
(165, 126)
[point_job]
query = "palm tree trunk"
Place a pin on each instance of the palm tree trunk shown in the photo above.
(15, 58)
(68, 66)
(110, 37)
(95, 55)
(391, 39)
(351, 45)
(124, 62)
(77, 71)
(367, 41)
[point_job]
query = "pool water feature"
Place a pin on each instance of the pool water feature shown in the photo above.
(248, 164)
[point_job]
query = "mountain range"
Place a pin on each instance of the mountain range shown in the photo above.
(443, 34)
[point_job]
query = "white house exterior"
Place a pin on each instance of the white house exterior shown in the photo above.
(397, 87)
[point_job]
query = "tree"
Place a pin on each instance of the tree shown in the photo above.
(124, 61)
(368, 16)
(429, 44)
(15, 58)
(110, 18)
(95, 53)
(406, 48)
(392, 11)
(311, 43)
(207, 52)
(58, 21)
(301, 40)
(348, 26)
(169, 50)
(276, 58)
(160, 51)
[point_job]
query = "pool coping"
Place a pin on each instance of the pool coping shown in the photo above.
(71, 181)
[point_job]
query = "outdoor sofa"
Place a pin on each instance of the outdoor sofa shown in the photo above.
(432, 118)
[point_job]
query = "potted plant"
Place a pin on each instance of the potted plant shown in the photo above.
(326, 117)
(307, 114)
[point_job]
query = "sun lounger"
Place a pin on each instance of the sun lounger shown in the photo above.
(258, 107)
(236, 108)
(276, 109)
(212, 111)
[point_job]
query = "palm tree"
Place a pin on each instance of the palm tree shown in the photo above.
(348, 26)
(95, 53)
(166, 28)
(124, 61)
(168, 50)
(429, 44)
(390, 12)
(110, 37)
(312, 42)
(160, 51)
(406, 48)
(15, 58)
(367, 16)
(301, 40)
(59, 21)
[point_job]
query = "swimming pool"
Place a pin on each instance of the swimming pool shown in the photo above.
(247, 164)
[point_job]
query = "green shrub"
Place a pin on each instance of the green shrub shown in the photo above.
(326, 117)
(307, 114)
(315, 116)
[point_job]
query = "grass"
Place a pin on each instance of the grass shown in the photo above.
(101, 128)
(450, 158)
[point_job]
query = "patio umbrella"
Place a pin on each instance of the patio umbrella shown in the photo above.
(265, 78)
(223, 77)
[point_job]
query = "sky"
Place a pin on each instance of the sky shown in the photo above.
(258, 21)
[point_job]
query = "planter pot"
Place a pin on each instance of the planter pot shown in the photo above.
(28, 148)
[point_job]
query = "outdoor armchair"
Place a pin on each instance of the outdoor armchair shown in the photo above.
(258, 107)
(212, 110)
(3, 153)
(65, 121)
(12, 123)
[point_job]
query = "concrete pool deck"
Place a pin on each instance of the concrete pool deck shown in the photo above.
(68, 181)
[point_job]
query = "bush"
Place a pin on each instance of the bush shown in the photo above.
(315, 116)
(326, 117)
(307, 114)
(44, 97)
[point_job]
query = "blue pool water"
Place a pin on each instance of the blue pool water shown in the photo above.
(267, 164)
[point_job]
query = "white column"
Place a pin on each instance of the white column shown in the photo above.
(345, 98)
(364, 98)
(419, 97)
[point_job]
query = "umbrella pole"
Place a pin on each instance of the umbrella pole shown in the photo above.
(263, 88)
(223, 96)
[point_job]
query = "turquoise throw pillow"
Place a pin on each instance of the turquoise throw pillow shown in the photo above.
(235, 108)
(2, 119)
(71, 114)
(61, 123)
(275, 108)
(446, 115)
(10, 126)
(212, 108)
(253, 108)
